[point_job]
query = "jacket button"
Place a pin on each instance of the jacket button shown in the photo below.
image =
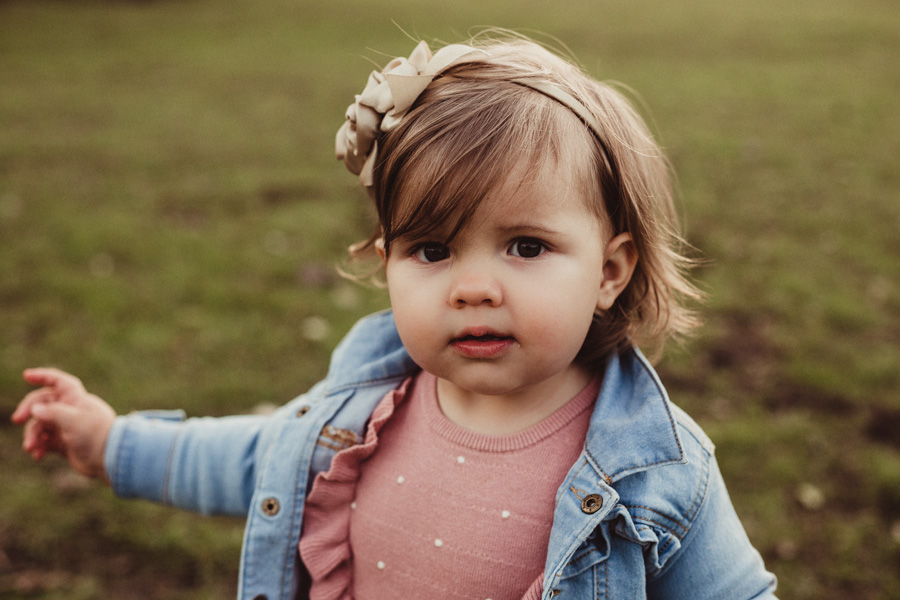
(260, 597)
(302, 411)
(270, 507)
(591, 503)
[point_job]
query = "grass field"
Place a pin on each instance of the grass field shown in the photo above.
(171, 213)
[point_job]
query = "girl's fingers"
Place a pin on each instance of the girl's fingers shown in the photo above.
(35, 438)
(43, 433)
(56, 416)
(23, 411)
(50, 377)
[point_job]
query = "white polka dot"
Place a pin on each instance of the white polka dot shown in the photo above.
(401, 479)
(460, 459)
(380, 564)
(353, 505)
(438, 543)
(505, 514)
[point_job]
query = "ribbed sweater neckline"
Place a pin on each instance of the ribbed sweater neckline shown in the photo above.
(426, 390)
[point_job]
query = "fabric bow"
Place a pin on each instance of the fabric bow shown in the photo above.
(386, 99)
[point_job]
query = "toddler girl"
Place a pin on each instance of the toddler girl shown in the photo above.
(497, 434)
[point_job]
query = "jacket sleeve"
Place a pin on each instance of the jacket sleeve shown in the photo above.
(206, 464)
(716, 559)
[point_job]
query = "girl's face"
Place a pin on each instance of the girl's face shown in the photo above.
(502, 309)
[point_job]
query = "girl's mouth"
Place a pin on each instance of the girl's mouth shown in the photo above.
(483, 346)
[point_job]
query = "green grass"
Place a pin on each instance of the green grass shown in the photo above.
(170, 210)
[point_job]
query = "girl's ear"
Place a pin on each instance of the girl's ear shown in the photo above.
(379, 248)
(619, 260)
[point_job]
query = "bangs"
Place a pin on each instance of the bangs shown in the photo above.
(439, 166)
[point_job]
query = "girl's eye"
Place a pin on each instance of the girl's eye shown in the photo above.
(527, 248)
(430, 252)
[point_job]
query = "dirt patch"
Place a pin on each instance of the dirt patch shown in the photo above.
(744, 342)
(275, 194)
(792, 396)
(884, 426)
(109, 568)
(745, 348)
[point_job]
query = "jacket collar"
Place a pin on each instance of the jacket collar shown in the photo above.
(371, 353)
(632, 428)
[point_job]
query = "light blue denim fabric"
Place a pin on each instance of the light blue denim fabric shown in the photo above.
(643, 513)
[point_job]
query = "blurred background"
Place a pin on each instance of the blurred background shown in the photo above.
(171, 215)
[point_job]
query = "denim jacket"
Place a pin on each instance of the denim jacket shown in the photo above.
(643, 512)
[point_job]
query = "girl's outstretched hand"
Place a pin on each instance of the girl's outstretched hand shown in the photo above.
(61, 416)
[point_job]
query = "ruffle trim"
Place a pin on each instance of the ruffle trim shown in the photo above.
(325, 543)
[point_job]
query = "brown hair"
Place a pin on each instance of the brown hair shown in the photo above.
(479, 120)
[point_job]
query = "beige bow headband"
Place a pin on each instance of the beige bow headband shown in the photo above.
(388, 96)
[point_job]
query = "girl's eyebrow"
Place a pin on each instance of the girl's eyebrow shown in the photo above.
(527, 228)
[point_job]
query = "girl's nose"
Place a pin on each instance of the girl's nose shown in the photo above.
(475, 287)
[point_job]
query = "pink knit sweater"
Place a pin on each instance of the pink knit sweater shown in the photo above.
(439, 511)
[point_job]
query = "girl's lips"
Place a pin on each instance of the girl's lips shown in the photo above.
(482, 346)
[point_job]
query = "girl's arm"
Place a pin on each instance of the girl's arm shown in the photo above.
(717, 559)
(207, 465)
